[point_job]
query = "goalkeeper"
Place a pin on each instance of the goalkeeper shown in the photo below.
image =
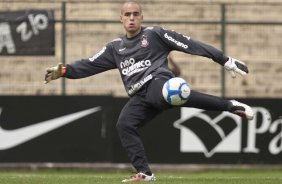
(141, 58)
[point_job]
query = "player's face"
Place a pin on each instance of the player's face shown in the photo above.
(131, 18)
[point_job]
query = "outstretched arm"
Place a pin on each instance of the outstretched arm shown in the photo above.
(180, 42)
(98, 63)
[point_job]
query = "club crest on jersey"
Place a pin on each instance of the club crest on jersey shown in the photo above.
(144, 41)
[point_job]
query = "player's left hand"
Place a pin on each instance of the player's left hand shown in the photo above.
(235, 66)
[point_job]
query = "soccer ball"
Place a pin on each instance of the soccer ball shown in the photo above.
(176, 91)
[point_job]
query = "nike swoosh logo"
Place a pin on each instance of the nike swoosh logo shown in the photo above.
(12, 138)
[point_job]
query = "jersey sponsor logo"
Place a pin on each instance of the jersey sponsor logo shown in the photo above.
(224, 132)
(178, 43)
(130, 66)
(135, 87)
(98, 54)
(12, 138)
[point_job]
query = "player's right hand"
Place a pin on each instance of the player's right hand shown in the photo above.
(54, 73)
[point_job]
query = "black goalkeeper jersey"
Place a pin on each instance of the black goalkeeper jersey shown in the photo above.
(141, 58)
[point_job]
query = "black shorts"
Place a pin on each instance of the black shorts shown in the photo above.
(151, 93)
(145, 104)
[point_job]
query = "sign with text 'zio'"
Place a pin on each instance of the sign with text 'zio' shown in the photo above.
(27, 33)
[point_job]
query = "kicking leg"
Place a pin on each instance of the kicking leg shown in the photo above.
(214, 103)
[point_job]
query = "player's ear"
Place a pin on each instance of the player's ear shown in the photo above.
(120, 19)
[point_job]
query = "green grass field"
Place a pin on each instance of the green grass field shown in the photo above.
(238, 176)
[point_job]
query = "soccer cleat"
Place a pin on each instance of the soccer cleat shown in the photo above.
(242, 110)
(140, 177)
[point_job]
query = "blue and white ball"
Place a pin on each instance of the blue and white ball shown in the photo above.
(176, 91)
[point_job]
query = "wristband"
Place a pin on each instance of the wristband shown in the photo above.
(64, 71)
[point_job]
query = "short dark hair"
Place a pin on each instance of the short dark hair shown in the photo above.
(133, 2)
